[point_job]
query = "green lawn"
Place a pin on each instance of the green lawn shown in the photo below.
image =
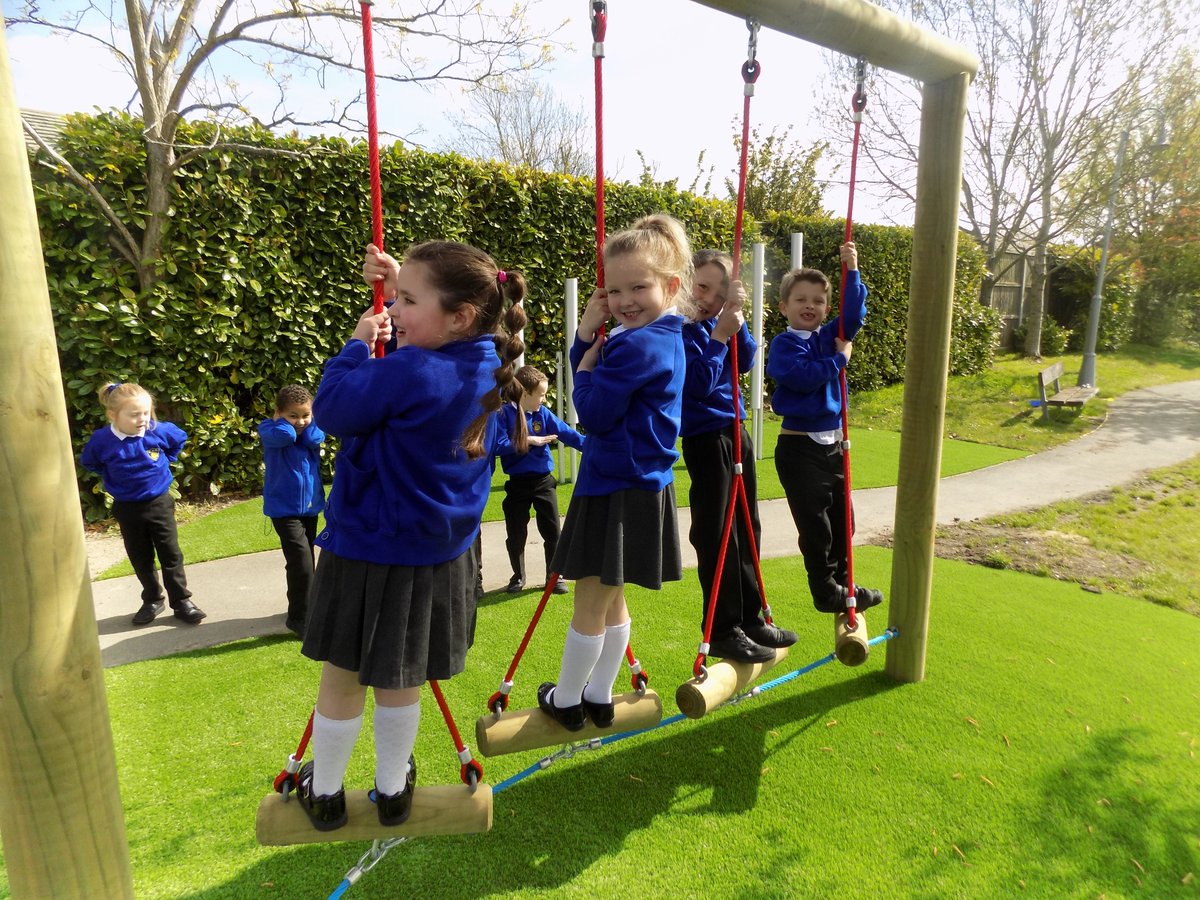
(988, 420)
(1050, 752)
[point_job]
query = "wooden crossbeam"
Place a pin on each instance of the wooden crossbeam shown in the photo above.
(724, 679)
(531, 729)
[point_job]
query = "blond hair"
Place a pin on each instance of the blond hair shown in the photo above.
(113, 395)
(661, 241)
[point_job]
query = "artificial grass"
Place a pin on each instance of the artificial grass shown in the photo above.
(1050, 751)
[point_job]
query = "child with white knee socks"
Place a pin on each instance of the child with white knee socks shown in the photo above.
(393, 603)
(621, 524)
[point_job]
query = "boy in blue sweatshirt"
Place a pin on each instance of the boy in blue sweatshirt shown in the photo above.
(531, 479)
(292, 491)
(805, 362)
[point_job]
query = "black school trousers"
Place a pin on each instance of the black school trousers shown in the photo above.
(296, 536)
(812, 478)
(709, 461)
(147, 529)
(520, 493)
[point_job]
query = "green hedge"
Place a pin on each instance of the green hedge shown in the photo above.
(261, 261)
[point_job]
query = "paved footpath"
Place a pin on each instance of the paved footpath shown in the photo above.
(1147, 429)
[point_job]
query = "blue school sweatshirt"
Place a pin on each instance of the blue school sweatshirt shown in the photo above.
(805, 366)
(538, 460)
(708, 387)
(629, 406)
(292, 476)
(404, 492)
(134, 468)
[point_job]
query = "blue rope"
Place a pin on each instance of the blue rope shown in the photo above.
(547, 761)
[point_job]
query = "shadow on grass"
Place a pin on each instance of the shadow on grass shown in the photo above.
(553, 826)
(1141, 835)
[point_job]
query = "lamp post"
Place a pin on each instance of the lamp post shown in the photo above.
(1087, 369)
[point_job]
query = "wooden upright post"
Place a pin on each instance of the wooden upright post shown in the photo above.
(930, 306)
(60, 810)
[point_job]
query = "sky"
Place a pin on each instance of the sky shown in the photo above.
(672, 88)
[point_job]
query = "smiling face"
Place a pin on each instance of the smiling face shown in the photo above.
(806, 305)
(133, 415)
(636, 294)
(418, 318)
(709, 289)
(297, 414)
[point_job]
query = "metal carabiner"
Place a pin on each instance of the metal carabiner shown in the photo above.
(859, 101)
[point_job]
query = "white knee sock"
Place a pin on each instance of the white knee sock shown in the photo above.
(616, 639)
(580, 652)
(332, 743)
(395, 737)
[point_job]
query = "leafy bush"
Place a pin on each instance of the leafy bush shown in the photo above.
(260, 271)
(1072, 285)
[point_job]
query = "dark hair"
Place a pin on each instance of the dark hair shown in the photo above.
(466, 276)
(292, 395)
(527, 378)
(813, 276)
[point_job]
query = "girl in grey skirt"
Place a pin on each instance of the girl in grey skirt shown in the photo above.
(621, 525)
(394, 600)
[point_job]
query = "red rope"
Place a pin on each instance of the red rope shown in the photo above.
(470, 769)
(373, 152)
(287, 776)
(750, 72)
(858, 103)
(599, 27)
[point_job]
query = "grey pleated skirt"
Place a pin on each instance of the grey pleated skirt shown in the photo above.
(630, 536)
(396, 626)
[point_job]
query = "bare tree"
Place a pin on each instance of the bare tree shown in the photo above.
(518, 121)
(181, 66)
(1053, 73)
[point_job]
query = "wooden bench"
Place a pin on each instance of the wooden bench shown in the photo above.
(1071, 397)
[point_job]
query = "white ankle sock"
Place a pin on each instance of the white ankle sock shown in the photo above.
(395, 737)
(332, 743)
(604, 674)
(580, 652)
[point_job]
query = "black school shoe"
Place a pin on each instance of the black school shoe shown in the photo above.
(571, 718)
(560, 587)
(601, 714)
(189, 612)
(394, 809)
(148, 613)
(769, 635)
(738, 647)
(326, 812)
(515, 584)
(864, 599)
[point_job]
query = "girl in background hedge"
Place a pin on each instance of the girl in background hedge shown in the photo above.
(621, 523)
(133, 456)
(394, 600)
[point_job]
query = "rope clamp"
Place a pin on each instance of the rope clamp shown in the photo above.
(844, 445)
(636, 667)
(737, 469)
(767, 611)
(506, 688)
(859, 101)
(599, 25)
(703, 648)
(464, 756)
(293, 765)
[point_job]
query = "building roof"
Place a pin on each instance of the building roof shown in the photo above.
(49, 125)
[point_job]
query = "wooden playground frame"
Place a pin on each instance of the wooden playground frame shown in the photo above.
(60, 808)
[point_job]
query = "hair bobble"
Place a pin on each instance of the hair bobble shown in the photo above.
(112, 387)
(501, 276)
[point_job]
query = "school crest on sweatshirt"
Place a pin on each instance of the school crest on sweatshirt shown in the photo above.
(153, 453)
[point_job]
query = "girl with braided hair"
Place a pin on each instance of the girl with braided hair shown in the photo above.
(393, 603)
